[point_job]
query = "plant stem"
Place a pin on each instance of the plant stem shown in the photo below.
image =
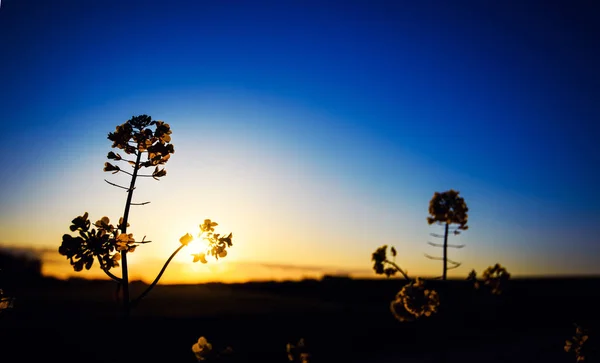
(108, 273)
(139, 298)
(445, 252)
(125, 278)
(399, 269)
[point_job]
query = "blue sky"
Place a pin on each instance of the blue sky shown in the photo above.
(331, 122)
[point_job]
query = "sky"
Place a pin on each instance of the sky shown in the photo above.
(315, 131)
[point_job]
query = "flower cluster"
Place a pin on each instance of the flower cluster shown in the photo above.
(6, 302)
(414, 301)
(298, 353)
(136, 136)
(217, 245)
(448, 207)
(203, 351)
(379, 259)
(577, 344)
(496, 277)
(101, 243)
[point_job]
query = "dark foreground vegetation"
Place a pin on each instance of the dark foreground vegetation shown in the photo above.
(342, 320)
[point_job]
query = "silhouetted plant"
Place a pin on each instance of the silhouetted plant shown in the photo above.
(577, 344)
(298, 353)
(473, 278)
(495, 278)
(382, 265)
(446, 209)
(149, 142)
(413, 300)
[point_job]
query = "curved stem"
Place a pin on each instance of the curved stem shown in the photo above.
(399, 269)
(108, 273)
(139, 298)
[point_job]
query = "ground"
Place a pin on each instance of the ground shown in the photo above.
(341, 320)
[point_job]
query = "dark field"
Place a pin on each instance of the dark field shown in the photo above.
(341, 320)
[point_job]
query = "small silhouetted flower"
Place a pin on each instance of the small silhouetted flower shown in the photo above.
(120, 225)
(112, 156)
(104, 225)
(216, 244)
(6, 302)
(208, 226)
(200, 257)
(90, 243)
(298, 353)
(202, 349)
(379, 257)
(125, 242)
(157, 173)
(110, 167)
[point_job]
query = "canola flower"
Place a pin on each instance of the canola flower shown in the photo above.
(6, 302)
(202, 349)
(496, 277)
(414, 301)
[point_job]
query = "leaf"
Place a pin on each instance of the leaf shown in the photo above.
(393, 251)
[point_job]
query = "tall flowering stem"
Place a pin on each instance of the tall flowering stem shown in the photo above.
(150, 143)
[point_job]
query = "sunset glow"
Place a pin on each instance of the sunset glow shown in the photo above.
(314, 143)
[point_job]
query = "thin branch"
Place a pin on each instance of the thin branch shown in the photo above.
(125, 160)
(454, 262)
(116, 185)
(143, 240)
(434, 244)
(453, 267)
(139, 298)
(398, 268)
(144, 203)
(434, 258)
(440, 245)
(146, 175)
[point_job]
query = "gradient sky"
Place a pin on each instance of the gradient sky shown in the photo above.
(315, 131)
